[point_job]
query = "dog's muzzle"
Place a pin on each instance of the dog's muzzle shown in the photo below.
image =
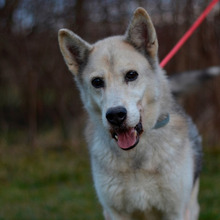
(126, 137)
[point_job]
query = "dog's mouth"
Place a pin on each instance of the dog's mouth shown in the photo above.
(127, 138)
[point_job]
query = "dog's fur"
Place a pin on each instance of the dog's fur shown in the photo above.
(158, 176)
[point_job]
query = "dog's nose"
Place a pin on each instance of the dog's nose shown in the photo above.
(116, 115)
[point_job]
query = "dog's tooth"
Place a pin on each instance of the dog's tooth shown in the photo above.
(135, 131)
(116, 137)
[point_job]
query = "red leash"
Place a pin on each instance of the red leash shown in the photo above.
(188, 33)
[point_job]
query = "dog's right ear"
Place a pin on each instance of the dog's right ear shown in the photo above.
(74, 49)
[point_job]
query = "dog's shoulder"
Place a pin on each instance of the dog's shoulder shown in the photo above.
(194, 137)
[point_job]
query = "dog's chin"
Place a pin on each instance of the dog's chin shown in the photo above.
(127, 137)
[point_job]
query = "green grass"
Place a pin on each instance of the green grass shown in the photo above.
(56, 184)
(209, 186)
(47, 184)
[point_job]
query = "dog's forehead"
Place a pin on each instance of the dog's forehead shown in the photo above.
(115, 52)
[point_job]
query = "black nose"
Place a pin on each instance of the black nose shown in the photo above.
(117, 115)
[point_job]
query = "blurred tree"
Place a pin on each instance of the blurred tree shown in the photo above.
(6, 15)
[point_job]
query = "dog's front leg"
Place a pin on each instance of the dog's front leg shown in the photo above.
(112, 215)
(192, 210)
(175, 216)
(106, 215)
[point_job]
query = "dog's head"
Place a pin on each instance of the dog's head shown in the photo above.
(117, 76)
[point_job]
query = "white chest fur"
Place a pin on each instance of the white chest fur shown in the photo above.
(142, 182)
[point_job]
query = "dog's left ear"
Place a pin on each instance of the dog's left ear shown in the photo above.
(141, 33)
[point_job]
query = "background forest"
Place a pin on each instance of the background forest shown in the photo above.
(44, 168)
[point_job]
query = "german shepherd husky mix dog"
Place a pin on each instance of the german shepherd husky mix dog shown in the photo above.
(145, 151)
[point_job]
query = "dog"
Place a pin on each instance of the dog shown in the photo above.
(145, 151)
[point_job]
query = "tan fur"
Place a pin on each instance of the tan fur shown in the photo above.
(154, 180)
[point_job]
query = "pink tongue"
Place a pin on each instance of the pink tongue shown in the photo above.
(127, 139)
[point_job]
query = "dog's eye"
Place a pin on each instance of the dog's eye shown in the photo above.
(131, 75)
(98, 82)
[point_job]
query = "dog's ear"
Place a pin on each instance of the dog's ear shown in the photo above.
(74, 49)
(141, 33)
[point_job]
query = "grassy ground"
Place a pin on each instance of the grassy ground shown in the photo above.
(55, 184)
(210, 188)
